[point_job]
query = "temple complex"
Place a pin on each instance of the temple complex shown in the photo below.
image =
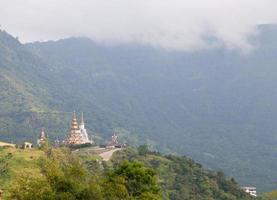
(77, 134)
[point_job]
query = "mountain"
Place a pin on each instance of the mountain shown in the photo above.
(217, 106)
(26, 82)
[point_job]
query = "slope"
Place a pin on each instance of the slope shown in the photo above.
(177, 177)
(217, 105)
(24, 91)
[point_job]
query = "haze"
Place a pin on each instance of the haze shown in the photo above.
(170, 24)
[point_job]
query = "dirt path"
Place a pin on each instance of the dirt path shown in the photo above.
(108, 154)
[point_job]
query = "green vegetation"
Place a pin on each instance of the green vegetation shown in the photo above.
(60, 175)
(270, 196)
(12, 161)
(57, 173)
(182, 178)
(215, 106)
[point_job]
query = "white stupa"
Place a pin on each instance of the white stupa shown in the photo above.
(84, 130)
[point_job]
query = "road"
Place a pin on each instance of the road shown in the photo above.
(108, 154)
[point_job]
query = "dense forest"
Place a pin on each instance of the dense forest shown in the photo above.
(216, 105)
(58, 173)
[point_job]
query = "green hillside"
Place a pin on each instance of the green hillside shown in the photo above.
(25, 84)
(27, 174)
(216, 106)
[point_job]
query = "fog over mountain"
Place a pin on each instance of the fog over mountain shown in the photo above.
(171, 24)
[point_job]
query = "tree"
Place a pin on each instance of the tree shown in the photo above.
(61, 176)
(143, 149)
(140, 181)
(31, 185)
(115, 189)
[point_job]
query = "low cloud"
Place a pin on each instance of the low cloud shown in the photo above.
(171, 24)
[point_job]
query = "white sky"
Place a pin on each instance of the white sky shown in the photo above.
(171, 24)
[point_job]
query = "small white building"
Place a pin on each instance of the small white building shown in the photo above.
(27, 145)
(250, 190)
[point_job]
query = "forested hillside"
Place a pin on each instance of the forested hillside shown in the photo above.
(58, 173)
(27, 88)
(217, 106)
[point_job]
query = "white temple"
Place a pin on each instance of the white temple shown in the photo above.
(83, 130)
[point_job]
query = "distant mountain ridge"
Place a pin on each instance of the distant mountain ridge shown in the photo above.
(216, 105)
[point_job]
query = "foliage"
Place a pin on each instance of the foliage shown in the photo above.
(182, 178)
(139, 181)
(57, 173)
(4, 163)
(270, 195)
(63, 176)
(143, 149)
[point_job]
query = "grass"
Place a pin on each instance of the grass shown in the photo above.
(21, 159)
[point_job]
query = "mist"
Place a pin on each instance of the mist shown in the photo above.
(171, 24)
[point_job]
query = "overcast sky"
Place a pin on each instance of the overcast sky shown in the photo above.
(171, 24)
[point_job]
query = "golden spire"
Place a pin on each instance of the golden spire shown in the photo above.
(74, 123)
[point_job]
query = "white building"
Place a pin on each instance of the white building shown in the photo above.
(27, 145)
(250, 190)
(84, 130)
